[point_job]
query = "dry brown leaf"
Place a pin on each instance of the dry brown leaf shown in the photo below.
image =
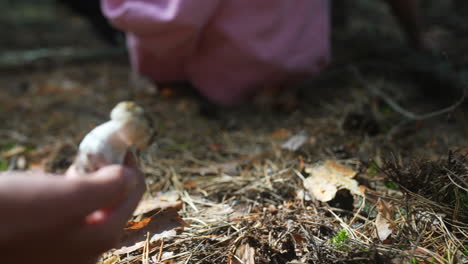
(158, 225)
(161, 202)
(154, 241)
(383, 222)
(281, 133)
(299, 241)
(138, 224)
(327, 178)
(161, 220)
(245, 254)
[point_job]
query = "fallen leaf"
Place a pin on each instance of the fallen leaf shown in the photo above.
(327, 178)
(139, 224)
(245, 254)
(160, 225)
(281, 133)
(296, 141)
(155, 239)
(383, 221)
(323, 191)
(334, 167)
(161, 202)
(299, 241)
(161, 220)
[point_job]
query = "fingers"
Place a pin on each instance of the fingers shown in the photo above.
(105, 227)
(120, 215)
(55, 208)
(45, 203)
(105, 188)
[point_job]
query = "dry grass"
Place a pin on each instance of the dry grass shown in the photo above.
(263, 210)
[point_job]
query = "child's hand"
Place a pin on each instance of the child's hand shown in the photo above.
(53, 219)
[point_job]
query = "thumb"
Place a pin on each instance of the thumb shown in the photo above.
(102, 189)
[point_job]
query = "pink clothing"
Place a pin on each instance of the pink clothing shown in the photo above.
(226, 48)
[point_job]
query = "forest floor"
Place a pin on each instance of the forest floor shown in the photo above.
(239, 187)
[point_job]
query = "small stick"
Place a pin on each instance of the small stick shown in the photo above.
(160, 250)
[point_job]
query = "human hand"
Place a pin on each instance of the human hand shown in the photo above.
(52, 219)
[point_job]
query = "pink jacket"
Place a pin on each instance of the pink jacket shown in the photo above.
(226, 48)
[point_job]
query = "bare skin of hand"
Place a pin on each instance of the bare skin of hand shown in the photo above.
(55, 219)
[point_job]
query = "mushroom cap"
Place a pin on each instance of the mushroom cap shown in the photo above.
(127, 110)
(137, 128)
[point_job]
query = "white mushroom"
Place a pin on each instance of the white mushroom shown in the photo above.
(109, 142)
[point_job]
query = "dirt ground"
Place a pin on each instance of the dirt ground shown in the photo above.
(242, 192)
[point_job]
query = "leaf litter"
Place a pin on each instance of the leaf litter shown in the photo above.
(232, 206)
(327, 178)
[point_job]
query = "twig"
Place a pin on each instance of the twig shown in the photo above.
(395, 106)
(160, 251)
(145, 254)
(459, 178)
(456, 184)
